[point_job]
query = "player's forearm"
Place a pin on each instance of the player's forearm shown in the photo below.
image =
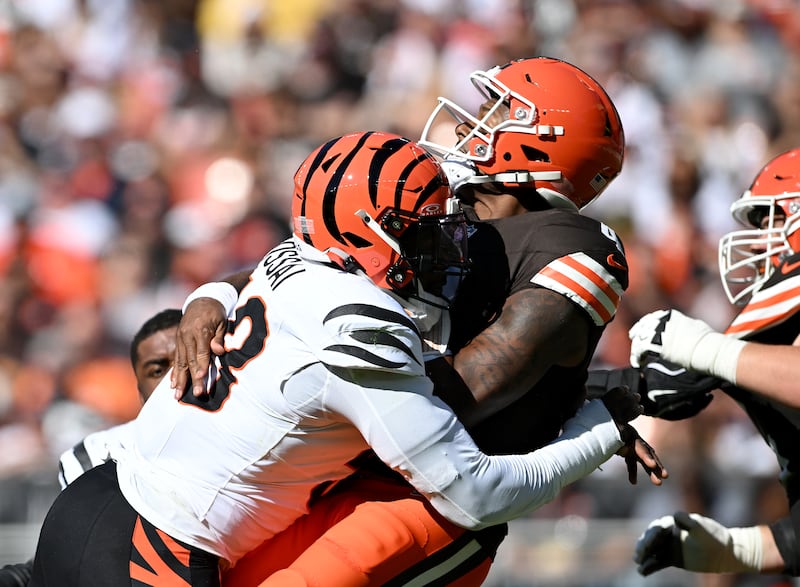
(773, 561)
(771, 370)
(502, 488)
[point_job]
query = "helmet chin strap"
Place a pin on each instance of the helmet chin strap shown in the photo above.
(345, 260)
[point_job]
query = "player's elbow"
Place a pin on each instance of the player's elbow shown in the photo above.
(474, 504)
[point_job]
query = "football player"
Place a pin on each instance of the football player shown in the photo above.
(152, 350)
(544, 282)
(152, 353)
(757, 357)
(324, 361)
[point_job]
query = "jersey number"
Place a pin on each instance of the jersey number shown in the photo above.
(252, 316)
(609, 233)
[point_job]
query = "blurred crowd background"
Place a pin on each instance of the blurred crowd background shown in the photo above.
(147, 146)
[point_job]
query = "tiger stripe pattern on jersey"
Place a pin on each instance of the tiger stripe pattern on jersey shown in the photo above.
(376, 331)
(584, 281)
(78, 461)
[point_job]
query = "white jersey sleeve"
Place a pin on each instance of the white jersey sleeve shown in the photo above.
(90, 452)
(372, 337)
(441, 461)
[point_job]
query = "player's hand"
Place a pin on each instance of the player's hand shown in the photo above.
(671, 392)
(668, 333)
(623, 404)
(637, 452)
(201, 333)
(696, 543)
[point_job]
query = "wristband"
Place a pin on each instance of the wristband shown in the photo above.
(748, 549)
(222, 291)
(718, 355)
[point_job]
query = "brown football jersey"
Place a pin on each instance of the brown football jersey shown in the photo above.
(571, 254)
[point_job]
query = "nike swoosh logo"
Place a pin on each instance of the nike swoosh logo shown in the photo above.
(656, 393)
(614, 263)
(789, 267)
(665, 370)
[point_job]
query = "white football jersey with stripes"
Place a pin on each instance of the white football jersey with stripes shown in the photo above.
(90, 452)
(320, 366)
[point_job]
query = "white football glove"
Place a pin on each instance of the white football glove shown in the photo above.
(690, 343)
(699, 544)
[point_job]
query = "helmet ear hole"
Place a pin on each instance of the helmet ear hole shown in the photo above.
(755, 215)
(533, 154)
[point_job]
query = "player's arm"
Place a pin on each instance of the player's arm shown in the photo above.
(420, 437)
(538, 328)
(770, 370)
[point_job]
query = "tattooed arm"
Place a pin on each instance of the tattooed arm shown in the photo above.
(536, 330)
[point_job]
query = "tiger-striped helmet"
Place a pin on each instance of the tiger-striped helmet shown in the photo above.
(382, 202)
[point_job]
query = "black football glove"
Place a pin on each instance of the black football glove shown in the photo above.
(601, 381)
(667, 390)
(16, 575)
(674, 393)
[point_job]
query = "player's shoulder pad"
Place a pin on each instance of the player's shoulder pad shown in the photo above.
(585, 282)
(774, 303)
(586, 262)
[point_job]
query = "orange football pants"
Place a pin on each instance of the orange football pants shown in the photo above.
(370, 531)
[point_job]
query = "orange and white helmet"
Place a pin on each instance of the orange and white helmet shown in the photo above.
(379, 203)
(771, 207)
(544, 123)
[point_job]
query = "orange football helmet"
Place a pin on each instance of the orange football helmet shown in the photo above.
(544, 122)
(380, 203)
(771, 206)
